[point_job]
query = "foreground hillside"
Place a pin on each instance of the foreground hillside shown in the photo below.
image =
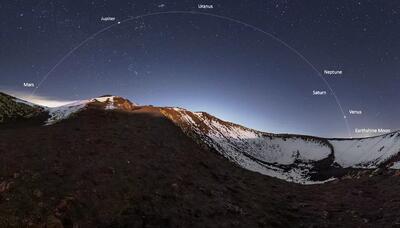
(118, 169)
(19, 111)
(107, 162)
(295, 158)
(138, 169)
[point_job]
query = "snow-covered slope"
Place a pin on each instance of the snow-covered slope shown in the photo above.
(105, 102)
(290, 157)
(296, 158)
(366, 152)
(63, 112)
(12, 108)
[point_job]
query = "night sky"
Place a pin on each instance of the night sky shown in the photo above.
(223, 60)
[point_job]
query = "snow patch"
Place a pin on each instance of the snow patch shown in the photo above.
(65, 111)
(104, 99)
(366, 152)
(396, 165)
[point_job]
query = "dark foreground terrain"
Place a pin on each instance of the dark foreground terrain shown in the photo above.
(137, 169)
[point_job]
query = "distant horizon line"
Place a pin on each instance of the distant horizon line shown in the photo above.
(55, 103)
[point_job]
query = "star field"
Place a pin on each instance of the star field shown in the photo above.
(217, 64)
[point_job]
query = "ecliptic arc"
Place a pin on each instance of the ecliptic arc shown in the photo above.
(69, 53)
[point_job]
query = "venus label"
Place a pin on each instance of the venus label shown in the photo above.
(355, 112)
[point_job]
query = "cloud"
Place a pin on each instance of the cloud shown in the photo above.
(39, 100)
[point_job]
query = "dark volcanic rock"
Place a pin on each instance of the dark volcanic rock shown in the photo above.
(117, 168)
(13, 110)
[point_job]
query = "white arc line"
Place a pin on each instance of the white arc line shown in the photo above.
(206, 14)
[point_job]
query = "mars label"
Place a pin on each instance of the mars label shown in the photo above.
(29, 84)
(203, 6)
